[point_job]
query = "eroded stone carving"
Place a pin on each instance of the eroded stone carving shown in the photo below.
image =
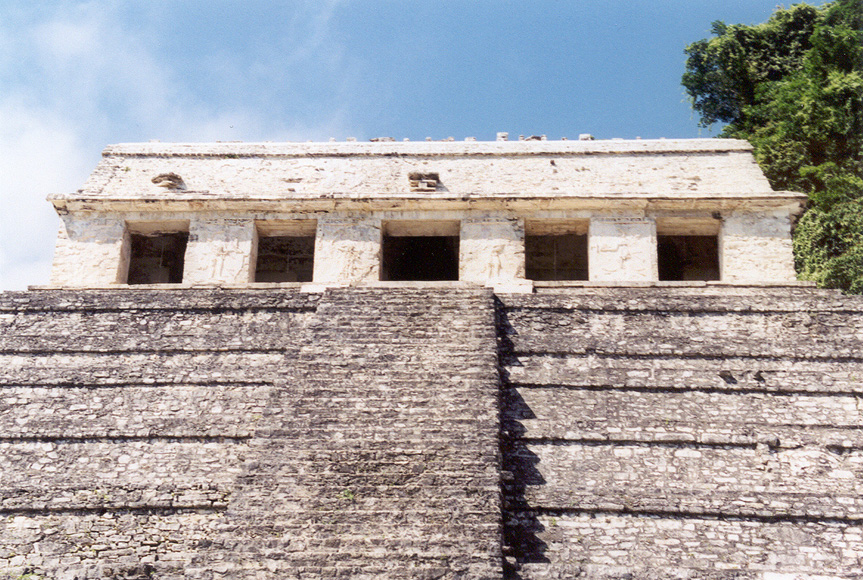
(423, 181)
(169, 181)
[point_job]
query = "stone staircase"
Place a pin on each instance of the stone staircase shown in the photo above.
(381, 465)
(680, 432)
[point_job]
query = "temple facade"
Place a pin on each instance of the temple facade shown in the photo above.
(511, 215)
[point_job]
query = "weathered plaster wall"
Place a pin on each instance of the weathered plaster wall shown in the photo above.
(546, 169)
(220, 250)
(347, 249)
(89, 251)
(756, 247)
(491, 249)
(622, 248)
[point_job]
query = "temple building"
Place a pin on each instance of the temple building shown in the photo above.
(509, 215)
(507, 360)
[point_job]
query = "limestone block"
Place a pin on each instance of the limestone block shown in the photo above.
(89, 251)
(347, 249)
(219, 251)
(756, 247)
(491, 249)
(622, 249)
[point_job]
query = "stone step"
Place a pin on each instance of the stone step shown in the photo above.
(152, 462)
(686, 299)
(128, 330)
(406, 566)
(101, 540)
(320, 530)
(278, 337)
(408, 447)
(731, 373)
(729, 417)
(734, 481)
(84, 369)
(413, 557)
(180, 320)
(112, 496)
(214, 411)
(323, 495)
(605, 546)
(169, 368)
(820, 334)
(148, 300)
(134, 410)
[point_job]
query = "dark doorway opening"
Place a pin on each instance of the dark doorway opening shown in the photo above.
(556, 257)
(688, 257)
(424, 258)
(285, 259)
(157, 258)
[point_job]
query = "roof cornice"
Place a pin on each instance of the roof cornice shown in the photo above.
(426, 148)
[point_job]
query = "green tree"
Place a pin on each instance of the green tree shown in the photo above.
(793, 87)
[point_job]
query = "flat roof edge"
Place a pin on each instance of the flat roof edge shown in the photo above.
(424, 148)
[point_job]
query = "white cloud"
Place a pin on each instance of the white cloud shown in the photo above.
(39, 154)
(81, 76)
(106, 70)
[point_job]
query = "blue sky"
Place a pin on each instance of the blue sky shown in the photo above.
(76, 76)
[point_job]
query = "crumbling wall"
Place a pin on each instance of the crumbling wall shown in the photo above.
(756, 247)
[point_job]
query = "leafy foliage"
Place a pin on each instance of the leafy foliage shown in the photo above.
(793, 87)
(828, 246)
